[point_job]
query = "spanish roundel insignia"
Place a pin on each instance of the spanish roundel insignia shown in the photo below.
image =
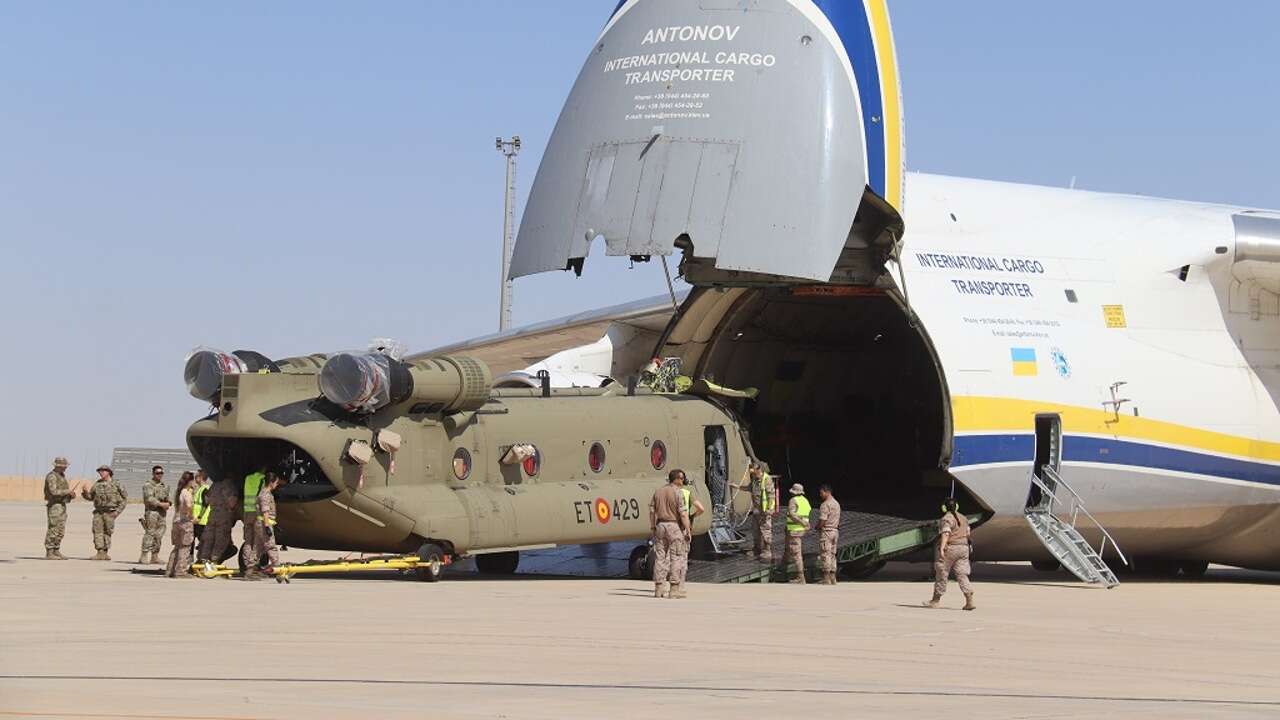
(602, 511)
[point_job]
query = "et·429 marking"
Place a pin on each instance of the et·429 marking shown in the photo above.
(601, 511)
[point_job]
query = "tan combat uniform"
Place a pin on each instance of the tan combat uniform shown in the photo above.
(57, 493)
(264, 537)
(956, 556)
(153, 494)
(795, 540)
(109, 500)
(183, 534)
(828, 538)
(764, 505)
(669, 522)
(224, 506)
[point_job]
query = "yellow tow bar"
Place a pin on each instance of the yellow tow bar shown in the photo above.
(427, 569)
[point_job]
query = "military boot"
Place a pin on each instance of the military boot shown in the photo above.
(101, 555)
(145, 558)
(678, 592)
(934, 602)
(155, 559)
(53, 555)
(968, 602)
(661, 590)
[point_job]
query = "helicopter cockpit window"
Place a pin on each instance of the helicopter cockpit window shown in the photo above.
(462, 464)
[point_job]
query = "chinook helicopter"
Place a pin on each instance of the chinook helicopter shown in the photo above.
(1012, 338)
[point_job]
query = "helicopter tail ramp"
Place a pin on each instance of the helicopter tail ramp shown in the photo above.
(867, 541)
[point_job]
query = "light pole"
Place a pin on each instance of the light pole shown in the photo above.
(509, 148)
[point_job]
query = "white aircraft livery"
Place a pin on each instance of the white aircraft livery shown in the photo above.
(909, 330)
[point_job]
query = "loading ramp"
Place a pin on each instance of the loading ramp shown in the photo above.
(866, 539)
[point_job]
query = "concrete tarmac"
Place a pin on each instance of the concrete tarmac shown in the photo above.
(82, 639)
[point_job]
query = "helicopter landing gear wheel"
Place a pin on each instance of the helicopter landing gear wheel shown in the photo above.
(432, 559)
(640, 564)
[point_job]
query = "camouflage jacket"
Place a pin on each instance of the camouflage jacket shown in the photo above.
(108, 495)
(222, 498)
(267, 507)
(154, 493)
(57, 491)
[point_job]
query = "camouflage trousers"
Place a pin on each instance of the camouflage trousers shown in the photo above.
(216, 538)
(672, 555)
(57, 525)
(264, 543)
(250, 555)
(152, 531)
(104, 524)
(183, 537)
(795, 554)
(954, 559)
(764, 535)
(827, 542)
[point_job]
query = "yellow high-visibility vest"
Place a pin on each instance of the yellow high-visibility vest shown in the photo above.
(198, 507)
(252, 484)
(688, 500)
(766, 493)
(802, 510)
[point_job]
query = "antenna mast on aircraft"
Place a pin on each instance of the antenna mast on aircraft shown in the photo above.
(509, 148)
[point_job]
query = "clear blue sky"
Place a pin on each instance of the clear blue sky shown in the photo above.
(302, 176)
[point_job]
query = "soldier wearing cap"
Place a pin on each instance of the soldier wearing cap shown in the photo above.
(155, 501)
(109, 499)
(57, 493)
(797, 525)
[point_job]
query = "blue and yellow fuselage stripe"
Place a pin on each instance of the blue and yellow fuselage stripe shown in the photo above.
(999, 430)
(863, 27)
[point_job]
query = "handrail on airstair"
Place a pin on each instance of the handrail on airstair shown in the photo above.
(1076, 507)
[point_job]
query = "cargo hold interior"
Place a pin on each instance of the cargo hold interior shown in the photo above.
(850, 393)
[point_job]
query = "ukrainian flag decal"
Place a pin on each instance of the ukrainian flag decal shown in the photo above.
(1024, 360)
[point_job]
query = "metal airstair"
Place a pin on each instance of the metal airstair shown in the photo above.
(1049, 493)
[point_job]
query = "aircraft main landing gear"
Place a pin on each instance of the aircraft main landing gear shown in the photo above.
(433, 561)
(640, 564)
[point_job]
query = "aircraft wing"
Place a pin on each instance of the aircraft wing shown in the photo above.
(521, 347)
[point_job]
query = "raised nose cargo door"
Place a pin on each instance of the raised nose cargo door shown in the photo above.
(756, 131)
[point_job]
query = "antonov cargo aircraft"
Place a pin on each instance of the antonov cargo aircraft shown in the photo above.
(907, 325)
